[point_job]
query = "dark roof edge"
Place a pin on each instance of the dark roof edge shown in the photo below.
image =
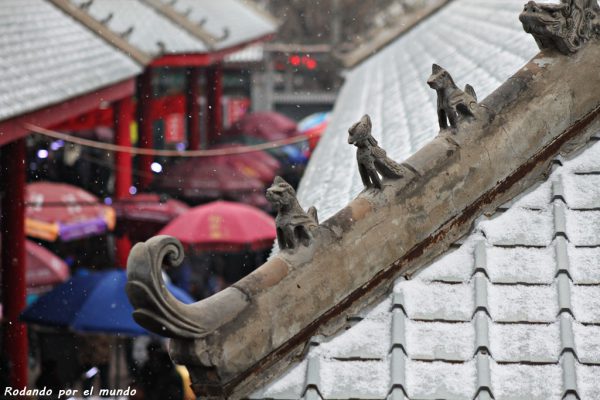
(387, 37)
(102, 31)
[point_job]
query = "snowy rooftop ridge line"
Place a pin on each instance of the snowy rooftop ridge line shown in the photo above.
(503, 344)
(250, 332)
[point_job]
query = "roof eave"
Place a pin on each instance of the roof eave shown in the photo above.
(202, 59)
(102, 31)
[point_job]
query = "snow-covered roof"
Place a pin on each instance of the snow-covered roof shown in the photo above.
(251, 54)
(513, 312)
(46, 57)
(231, 22)
(151, 29)
(480, 42)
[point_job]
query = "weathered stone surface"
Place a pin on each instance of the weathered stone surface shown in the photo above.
(294, 226)
(565, 26)
(362, 248)
(372, 160)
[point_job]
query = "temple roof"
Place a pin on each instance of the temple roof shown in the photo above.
(150, 29)
(479, 42)
(46, 57)
(512, 311)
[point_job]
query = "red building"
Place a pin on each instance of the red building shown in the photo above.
(74, 65)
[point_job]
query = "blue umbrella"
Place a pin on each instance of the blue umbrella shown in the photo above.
(94, 302)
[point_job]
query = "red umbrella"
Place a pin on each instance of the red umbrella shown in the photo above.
(44, 268)
(144, 214)
(206, 179)
(58, 210)
(149, 207)
(223, 225)
(265, 125)
(256, 164)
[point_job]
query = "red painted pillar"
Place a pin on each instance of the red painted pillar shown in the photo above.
(145, 95)
(193, 108)
(12, 261)
(122, 118)
(214, 95)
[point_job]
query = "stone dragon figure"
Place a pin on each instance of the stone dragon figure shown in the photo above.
(294, 226)
(565, 26)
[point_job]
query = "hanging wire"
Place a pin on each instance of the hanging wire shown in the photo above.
(165, 153)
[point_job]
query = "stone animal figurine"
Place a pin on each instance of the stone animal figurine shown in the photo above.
(294, 226)
(565, 26)
(372, 159)
(453, 104)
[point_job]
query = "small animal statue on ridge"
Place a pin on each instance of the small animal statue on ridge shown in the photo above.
(372, 159)
(294, 226)
(453, 104)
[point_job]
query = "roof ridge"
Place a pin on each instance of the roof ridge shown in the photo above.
(182, 21)
(485, 154)
(102, 31)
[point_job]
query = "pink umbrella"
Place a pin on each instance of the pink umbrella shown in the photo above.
(43, 268)
(223, 225)
(266, 125)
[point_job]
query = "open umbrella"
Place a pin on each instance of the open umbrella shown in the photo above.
(43, 268)
(93, 302)
(201, 179)
(314, 126)
(65, 212)
(256, 164)
(223, 226)
(144, 214)
(266, 125)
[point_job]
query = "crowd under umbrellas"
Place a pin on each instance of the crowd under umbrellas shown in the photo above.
(214, 205)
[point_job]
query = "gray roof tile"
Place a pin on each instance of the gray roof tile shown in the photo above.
(522, 303)
(46, 58)
(587, 381)
(354, 379)
(525, 342)
(524, 381)
(420, 301)
(521, 265)
(587, 343)
(422, 341)
(586, 303)
(441, 380)
(584, 265)
(582, 227)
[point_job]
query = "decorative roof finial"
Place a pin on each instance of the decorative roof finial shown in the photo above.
(107, 19)
(125, 34)
(294, 226)
(453, 104)
(86, 5)
(372, 159)
(564, 27)
(225, 34)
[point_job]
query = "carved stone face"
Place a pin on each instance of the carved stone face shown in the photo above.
(360, 131)
(544, 20)
(440, 78)
(280, 193)
(565, 26)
